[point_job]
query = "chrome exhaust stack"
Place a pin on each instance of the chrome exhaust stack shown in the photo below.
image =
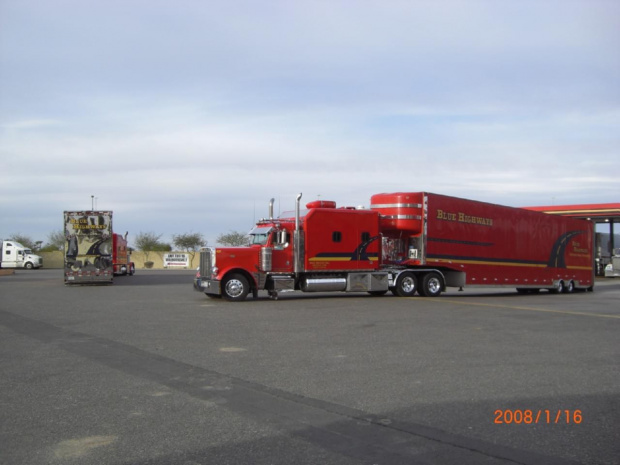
(298, 239)
(297, 209)
(271, 208)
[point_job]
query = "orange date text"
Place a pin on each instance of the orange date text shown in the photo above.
(535, 417)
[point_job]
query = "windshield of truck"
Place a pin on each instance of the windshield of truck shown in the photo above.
(260, 235)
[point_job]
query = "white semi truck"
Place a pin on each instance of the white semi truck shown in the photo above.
(15, 255)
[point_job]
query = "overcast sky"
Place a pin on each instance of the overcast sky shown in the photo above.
(188, 116)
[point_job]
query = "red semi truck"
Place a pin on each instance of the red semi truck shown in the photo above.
(406, 243)
(121, 256)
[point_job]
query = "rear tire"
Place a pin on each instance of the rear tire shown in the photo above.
(406, 284)
(432, 285)
(558, 287)
(569, 288)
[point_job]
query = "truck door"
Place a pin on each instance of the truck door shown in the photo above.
(366, 255)
(282, 258)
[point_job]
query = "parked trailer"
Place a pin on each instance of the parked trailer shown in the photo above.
(93, 252)
(406, 243)
(88, 247)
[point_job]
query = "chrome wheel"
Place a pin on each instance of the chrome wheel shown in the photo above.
(406, 284)
(236, 287)
(432, 285)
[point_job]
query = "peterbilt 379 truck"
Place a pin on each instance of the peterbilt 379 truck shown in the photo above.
(406, 243)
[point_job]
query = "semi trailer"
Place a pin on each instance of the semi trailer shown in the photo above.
(93, 252)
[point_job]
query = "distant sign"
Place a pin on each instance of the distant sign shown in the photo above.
(176, 260)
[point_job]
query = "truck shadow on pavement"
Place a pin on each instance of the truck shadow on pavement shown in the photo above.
(156, 278)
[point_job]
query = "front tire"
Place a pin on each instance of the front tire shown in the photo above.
(28, 266)
(235, 288)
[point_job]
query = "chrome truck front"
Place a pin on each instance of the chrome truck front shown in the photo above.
(204, 281)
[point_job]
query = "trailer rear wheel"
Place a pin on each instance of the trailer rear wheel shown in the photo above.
(432, 285)
(235, 288)
(406, 284)
(558, 287)
(569, 288)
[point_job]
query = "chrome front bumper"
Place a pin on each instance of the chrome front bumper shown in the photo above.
(208, 286)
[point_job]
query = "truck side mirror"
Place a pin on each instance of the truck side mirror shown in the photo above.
(282, 237)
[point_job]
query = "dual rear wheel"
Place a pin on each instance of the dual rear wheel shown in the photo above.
(559, 287)
(563, 287)
(430, 285)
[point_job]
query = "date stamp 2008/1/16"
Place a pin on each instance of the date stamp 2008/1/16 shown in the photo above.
(535, 417)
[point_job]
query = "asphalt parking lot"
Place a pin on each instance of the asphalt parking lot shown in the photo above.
(148, 371)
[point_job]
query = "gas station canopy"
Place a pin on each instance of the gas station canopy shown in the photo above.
(599, 212)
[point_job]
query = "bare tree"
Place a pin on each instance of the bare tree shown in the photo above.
(190, 243)
(55, 241)
(233, 239)
(148, 242)
(24, 240)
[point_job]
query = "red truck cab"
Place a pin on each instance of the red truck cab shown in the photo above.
(121, 256)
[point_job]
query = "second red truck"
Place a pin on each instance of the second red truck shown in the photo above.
(406, 243)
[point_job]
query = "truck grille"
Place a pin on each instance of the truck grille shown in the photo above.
(207, 257)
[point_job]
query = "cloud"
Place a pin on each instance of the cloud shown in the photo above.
(191, 117)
